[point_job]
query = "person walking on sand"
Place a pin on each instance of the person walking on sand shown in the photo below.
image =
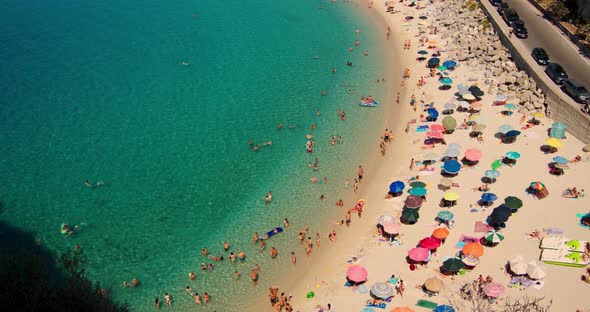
(293, 258)
(355, 185)
(412, 164)
(262, 244)
(361, 172)
(317, 240)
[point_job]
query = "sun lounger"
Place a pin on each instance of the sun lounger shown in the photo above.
(563, 243)
(563, 257)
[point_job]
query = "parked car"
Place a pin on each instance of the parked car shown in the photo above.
(556, 73)
(509, 15)
(576, 91)
(503, 6)
(540, 56)
(519, 29)
(495, 2)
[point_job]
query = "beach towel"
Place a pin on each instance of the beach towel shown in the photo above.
(426, 304)
(380, 306)
(482, 227)
(362, 289)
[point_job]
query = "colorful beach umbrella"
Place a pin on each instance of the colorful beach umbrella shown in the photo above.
(357, 273)
(396, 187)
(501, 97)
(512, 133)
(418, 254)
(430, 243)
(537, 185)
(434, 284)
(553, 142)
(452, 166)
(435, 134)
(473, 249)
(440, 233)
(493, 237)
(488, 197)
(493, 289)
(446, 81)
(443, 308)
(445, 215)
(496, 164)
(560, 160)
(437, 127)
(418, 184)
(453, 265)
(450, 64)
(492, 174)
(418, 191)
(473, 154)
(392, 228)
(505, 128)
(384, 219)
(513, 202)
(470, 260)
(413, 201)
(382, 290)
(451, 196)
(410, 215)
(513, 155)
(517, 265)
(451, 152)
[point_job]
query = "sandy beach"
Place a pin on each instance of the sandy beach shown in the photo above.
(554, 215)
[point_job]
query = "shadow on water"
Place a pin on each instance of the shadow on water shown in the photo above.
(33, 279)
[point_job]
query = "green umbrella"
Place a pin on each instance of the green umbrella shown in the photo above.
(418, 184)
(442, 67)
(445, 215)
(418, 191)
(513, 202)
(453, 264)
(496, 164)
(410, 215)
(449, 123)
(493, 237)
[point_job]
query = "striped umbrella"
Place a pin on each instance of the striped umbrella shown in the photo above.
(493, 237)
(470, 260)
(505, 128)
(513, 155)
(493, 289)
(537, 185)
(382, 290)
(496, 164)
(392, 228)
(560, 160)
(418, 191)
(492, 174)
(445, 215)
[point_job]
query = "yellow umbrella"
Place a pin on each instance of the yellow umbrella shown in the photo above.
(451, 196)
(553, 142)
(538, 115)
(473, 117)
(432, 42)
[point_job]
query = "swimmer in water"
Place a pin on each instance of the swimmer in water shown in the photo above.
(87, 183)
(186, 63)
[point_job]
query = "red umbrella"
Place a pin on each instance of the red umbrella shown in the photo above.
(430, 243)
(437, 127)
(434, 134)
(418, 254)
(473, 154)
(357, 273)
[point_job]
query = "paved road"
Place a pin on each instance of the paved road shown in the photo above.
(542, 33)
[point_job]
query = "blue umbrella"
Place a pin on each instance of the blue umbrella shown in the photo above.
(510, 106)
(446, 81)
(488, 197)
(452, 166)
(443, 308)
(432, 112)
(451, 152)
(560, 160)
(505, 128)
(450, 64)
(492, 174)
(396, 187)
(422, 52)
(512, 133)
(417, 191)
(513, 155)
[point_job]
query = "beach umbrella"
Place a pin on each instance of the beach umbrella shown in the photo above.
(384, 219)
(392, 228)
(357, 273)
(423, 17)
(434, 284)
(454, 146)
(443, 308)
(517, 265)
(476, 106)
(446, 182)
(413, 201)
(432, 112)
(402, 309)
(535, 271)
(382, 290)
(512, 133)
(396, 187)
(561, 166)
(418, 184)
(453, 265)
(437, 127)
(488, 197)
(496, 164)
(478, 127)
(423, 52)
(446, 81)
(475, 118)
(560, 160)
(500, 214)
(442, 68)
(493, 289)
(501, 97)
(513, 202)
(434, 60)
(451, 196)
(473, 249)
(418, 254)
(513, 155)
(445, 215)
(452, 166)
(410, 215)
(434, 134)
(418, 191)
(462, 87)
(537, 185)
(553, 142)
(510, 106)
(492, 174)
(431, 157)
(473, 154)
(451, 152)
(470, 260)
(440, 233)
(476, 91)
(493, 236)
(463, 104)
(429, 243)
(468, 97)
(449, 106)
(450, 64)
(505, 128)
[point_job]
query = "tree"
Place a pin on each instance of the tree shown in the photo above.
(558, 8)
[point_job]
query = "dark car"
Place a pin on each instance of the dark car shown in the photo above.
(503, 6)
(519, 30)
(495, 2)
(509, 15)
(540, 56)
(556, 73)
(576, 91)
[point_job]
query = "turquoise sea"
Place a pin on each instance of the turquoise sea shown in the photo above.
(96, 90)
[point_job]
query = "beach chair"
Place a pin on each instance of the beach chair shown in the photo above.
(563, 243)
(563, 257)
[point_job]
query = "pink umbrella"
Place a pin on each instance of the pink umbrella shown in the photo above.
(473, 154)
(434, 134)
(418, 254)
(437, 127)
(493, 289)
(391, 228)
(430, 243)
(476, 105)
(357, 273)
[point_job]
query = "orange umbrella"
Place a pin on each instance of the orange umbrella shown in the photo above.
(440, 233)
(402, 309)
(474, 249)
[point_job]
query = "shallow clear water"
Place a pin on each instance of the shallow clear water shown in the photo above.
(96, 90)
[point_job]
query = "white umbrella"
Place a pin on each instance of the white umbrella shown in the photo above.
(468, 96)
(517, 265)
(535, 271)
(385, 219)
